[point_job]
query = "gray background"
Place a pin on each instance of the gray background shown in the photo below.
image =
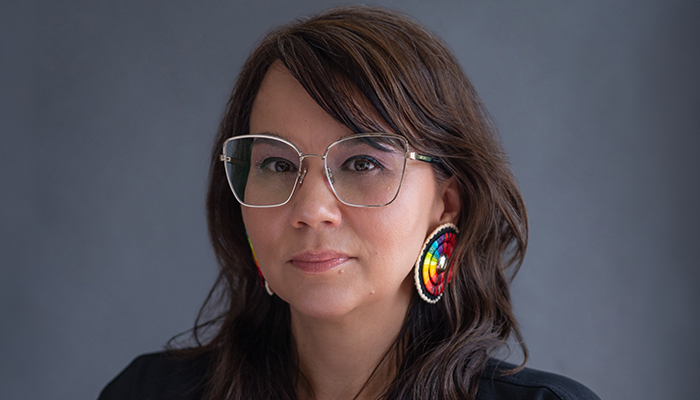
(109, 110)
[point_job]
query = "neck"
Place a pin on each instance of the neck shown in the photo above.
(348, 357)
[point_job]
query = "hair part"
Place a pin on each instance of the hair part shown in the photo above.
(358, 63)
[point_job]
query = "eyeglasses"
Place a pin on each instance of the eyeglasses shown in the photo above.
(364, 170)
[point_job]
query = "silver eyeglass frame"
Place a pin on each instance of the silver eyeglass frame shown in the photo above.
(408, 155)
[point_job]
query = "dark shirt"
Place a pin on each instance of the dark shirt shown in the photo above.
(160, 376)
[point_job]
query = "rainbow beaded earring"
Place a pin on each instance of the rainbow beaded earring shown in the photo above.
(434, 261)
(263, 282)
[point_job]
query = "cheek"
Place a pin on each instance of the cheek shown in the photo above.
(396, 237)
(407, 221)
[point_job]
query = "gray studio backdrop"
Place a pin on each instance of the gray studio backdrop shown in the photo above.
(109, 111)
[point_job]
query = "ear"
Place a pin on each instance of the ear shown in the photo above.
(451, 201)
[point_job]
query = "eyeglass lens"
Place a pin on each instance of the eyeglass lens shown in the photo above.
(362, 170)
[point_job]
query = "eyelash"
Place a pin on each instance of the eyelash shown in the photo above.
(374, 161)
(269, 160)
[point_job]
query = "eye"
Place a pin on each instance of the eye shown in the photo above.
(361, 163)
(277, 164)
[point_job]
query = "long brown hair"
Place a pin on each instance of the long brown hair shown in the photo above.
(350, 59)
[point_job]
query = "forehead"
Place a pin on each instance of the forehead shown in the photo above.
(283, 107)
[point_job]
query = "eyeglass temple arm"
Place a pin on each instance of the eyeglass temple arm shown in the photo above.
(422, 157)
(230, 160)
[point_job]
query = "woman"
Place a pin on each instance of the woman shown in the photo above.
(364, 218)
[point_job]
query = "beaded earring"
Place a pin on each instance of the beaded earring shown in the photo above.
(431, 270)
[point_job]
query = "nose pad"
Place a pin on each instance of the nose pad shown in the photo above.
(303, 175)
(331, 178)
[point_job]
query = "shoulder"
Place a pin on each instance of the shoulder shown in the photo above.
(160, 376)
(529, 384)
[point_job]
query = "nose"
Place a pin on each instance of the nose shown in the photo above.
(314, 204)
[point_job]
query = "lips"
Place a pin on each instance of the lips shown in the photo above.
(316, 262)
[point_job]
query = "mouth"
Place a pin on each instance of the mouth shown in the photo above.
(317, 262)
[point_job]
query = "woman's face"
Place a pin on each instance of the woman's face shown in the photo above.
(324, 258)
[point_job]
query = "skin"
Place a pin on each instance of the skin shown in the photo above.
(345, 271)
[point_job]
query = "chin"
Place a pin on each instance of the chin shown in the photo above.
(325, 303)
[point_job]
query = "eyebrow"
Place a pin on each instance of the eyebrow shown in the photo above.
(269, 142)
(277, 135)
(266, 133)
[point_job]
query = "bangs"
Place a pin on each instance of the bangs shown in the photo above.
(338, 78)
